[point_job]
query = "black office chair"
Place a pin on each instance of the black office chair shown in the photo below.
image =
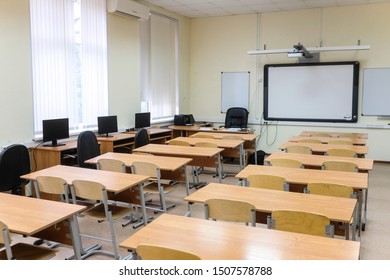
(14, 162)
(87, 148)
(141, 138)
(236, 117)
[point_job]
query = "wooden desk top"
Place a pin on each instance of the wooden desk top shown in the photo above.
(333, 134)
(114, 181)
(335, 208)
(69, 145)
(165, 163)
(325, 140)
(26, 215)
(317, 160)
(151, 131)
(304, 176)
(210, 129)
(322, 148)
(115, 137)
(229, 144)
(189, 151)
(226, 241)
(219, 135)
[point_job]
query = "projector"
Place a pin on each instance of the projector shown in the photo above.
(295, 54)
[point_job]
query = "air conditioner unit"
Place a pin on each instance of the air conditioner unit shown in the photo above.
(128, 8)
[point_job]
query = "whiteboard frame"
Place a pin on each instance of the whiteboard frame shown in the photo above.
(376, 92)
(235, 90)
(310, 109)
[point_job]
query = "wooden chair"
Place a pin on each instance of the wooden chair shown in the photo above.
(341, 142)
(341, 153)
(300, 222)
(156, 184)
(330, 189)
(308, 140)
(299, 150)
(178, 142)
(129, 196)
(102, 211)
(340, 166)
(286, 162)
(230, 211)
(270, 182)
(154, 252)
(21, 251)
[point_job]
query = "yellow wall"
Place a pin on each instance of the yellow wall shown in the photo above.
(221, 44)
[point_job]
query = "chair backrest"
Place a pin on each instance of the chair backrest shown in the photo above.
(52, 185)
(110, 164)
(141, 138)
(348, 135)
(320, 134)
(270, 182)
(154, 252)
(286, 162)
(341, 153)
(330, 189)
(4, 234)
(308, 140)
(14, 162)
(205, 136)
(206, 144)
(301, 222)
(230, 211)
(147, 169)
(87, 147)
(299, 149)
(88, 190)
(236, 117)
(341, 142)
(178, 143)
(340, 166)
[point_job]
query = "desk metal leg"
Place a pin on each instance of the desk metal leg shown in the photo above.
(74, 228)
(219, 168)
(365, 210)
(242, 156)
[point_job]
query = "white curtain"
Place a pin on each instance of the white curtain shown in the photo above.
(69, 60)
(159, 67)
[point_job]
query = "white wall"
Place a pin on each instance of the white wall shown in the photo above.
(16, 103)
(221, 44)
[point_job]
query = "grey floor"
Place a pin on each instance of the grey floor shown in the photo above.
(375, 240)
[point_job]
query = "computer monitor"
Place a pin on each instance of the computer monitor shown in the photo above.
(55, 129)
(142, 120)
(106, 125)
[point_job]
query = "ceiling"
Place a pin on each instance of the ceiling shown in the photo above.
(209, 8)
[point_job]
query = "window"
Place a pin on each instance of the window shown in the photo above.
(159, 67)
(69, 60)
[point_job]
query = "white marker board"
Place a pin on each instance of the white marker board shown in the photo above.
(376, 92)
(234, 90)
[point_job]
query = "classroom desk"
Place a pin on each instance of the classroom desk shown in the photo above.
(325, 140)
(44, 157)
(227, 241)
(333, 134)
(172, 168)
(233, 148)
(114, 182)
(39, 217)
(249, 140)
(201, 156)
(361, 151)
(188, 130)
(316, 161)
(126, 139)
(301, 177)
(336, 209)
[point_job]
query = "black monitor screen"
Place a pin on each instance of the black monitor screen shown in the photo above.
(54, 130)
(142, 120)
(107, 124)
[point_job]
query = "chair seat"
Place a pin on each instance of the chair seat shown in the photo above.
(116, 211)
(153, 188)
(23, 251)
